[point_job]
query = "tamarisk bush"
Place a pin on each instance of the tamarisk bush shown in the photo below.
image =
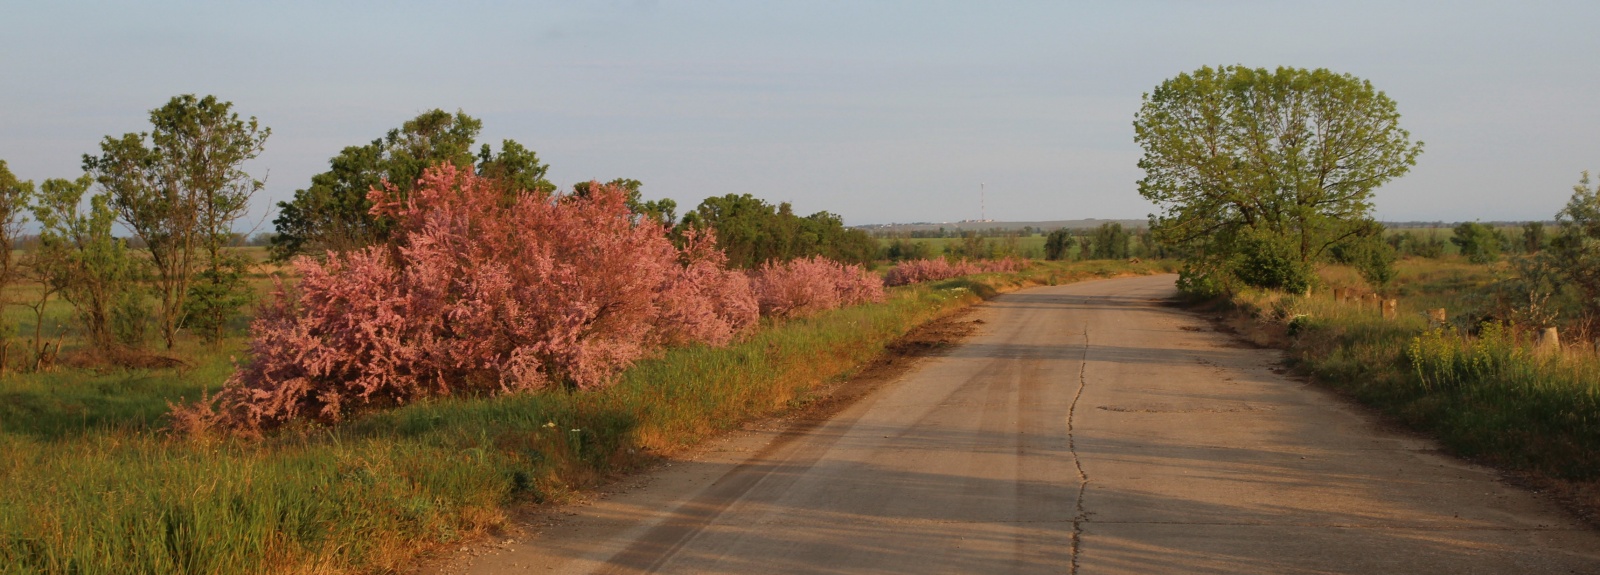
(924, 270)
(480, 291)
(927, 270)
(808, 285)
(1002, 266)
(704, 301)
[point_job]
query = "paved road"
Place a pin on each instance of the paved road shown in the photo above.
(1084, 429)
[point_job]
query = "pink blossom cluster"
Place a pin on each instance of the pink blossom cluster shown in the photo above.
(808, 285)
(481, 291)
(1004, 265)
(927, 270)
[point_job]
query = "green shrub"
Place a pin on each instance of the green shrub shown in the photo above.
(1200, 284)
(1269, 264)
(1479, 243)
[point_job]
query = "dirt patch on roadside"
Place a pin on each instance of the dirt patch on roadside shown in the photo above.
(928, 339)
(899, 356)
(1582, 498)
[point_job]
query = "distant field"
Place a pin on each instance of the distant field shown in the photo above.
(1031, 247)
(986, 226)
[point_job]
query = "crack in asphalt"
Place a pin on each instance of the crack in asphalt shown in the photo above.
(1072, 446)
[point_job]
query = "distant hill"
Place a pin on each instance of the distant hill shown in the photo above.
(988, 225)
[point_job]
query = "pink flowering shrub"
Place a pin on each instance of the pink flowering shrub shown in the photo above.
(483, 293)
(809, 285)
(927, 270)
(1007, 264)
(704, 301)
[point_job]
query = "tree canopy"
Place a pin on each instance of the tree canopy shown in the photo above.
(180, 188)
(663, 211)
(78, 258)
(334, 213)
(753, 232)
(1257, 167)
(15, 196)
(1575, 250)
(1058, 244)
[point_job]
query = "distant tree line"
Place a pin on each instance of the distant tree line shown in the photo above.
(335, 214)
(753, 232)
(1109, 241)
(942, 232)
(1475, 241)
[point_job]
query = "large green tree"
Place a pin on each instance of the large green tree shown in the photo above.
(1266, 168)
(334, 214)
(180, 188)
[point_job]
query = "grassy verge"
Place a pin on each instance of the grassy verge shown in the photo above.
(1488, 396)
(111, 494)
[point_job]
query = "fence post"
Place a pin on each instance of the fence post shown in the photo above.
(1437, 317)
(1549, 340)
(1390, 310)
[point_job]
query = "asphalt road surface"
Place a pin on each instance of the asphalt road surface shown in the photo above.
(1085, 429)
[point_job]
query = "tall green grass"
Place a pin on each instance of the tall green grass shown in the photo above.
(1493, 397)
(65, 401)
(93, 486)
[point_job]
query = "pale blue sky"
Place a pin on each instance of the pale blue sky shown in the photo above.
(878, 111)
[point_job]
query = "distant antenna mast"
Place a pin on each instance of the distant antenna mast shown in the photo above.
(983, 207)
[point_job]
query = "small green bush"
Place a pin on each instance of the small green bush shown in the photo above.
(1200, 284)
(1269, 264)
